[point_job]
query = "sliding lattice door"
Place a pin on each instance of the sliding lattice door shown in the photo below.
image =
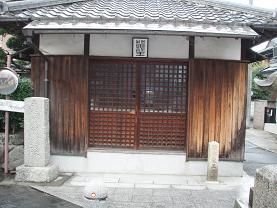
(135, 104)
(163, 106)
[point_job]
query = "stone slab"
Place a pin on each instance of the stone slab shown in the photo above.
(36, 174)
(36, 133)
(265, 188)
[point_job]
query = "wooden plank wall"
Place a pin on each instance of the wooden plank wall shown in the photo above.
(68, 94)
(217, 108)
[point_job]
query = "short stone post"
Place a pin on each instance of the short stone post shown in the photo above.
(213, 157)
(259, 110)
(265, 188)
(36, 166)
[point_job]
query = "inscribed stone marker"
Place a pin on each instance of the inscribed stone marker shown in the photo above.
(213, 155)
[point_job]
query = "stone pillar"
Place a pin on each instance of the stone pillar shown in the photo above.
(259, 110)
(265, 189)
(213, 157)
(36, 166)
(36, 132)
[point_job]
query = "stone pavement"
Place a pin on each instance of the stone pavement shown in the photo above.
(169, 191)
(160, 191)
(256, 157)
(155, 198)
(262, 139)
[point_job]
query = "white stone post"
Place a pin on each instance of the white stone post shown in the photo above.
(36, 166)
(259, 110)
(213, 157)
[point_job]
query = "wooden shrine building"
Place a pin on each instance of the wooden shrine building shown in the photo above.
(135, 77)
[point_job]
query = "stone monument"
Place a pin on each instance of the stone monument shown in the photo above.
(213, 157)
(37, 166)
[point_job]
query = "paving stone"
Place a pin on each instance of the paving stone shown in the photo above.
(143, 191)
(120, 185)
(142, 198)
(123, 191)
(162, 192)
(152, 186)
(120, 197)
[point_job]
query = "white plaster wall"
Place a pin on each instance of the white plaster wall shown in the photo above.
(218, 48)
(160, 46)
(62, 44)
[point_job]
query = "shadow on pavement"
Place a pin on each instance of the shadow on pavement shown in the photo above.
(25, 197)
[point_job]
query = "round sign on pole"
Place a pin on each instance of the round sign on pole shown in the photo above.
(8, 81)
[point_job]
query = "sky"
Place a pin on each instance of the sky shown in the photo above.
(267, 4)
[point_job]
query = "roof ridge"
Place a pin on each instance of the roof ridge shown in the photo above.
(31, 4)
(236, 6)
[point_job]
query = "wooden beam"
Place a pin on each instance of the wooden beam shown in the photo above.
(36, 40)
(191, 47)
(247, 55)
(86, 44)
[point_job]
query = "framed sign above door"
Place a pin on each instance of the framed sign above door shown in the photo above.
(140, 47)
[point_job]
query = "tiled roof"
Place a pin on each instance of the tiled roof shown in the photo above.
(193, 11)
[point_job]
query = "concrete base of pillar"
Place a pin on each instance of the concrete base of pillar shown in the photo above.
(36, 174)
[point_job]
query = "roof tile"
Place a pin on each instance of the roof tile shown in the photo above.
(163, 10)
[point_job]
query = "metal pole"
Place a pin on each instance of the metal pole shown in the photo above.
(6, 148)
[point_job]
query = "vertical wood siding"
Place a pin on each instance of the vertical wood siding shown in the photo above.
(68, 94)
(217, 108)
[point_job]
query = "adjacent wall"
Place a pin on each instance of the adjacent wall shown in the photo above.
(217, 108)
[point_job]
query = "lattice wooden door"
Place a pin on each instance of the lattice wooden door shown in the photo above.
(137, 104)
(163, 105)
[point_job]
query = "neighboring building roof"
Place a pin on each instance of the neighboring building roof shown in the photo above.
(268, 50)
(272, 43)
